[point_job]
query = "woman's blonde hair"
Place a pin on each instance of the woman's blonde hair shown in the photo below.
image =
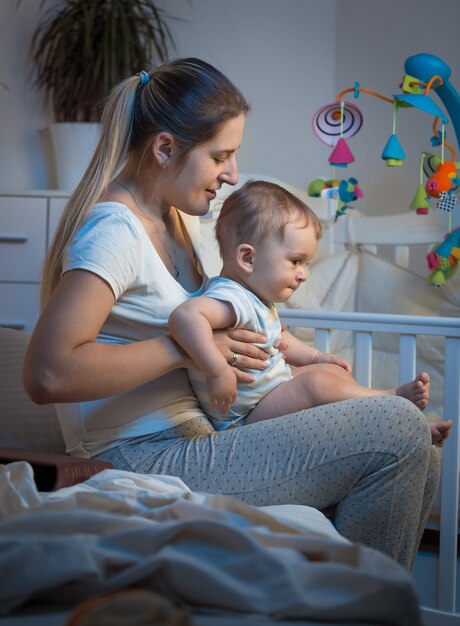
(258, 210)
(188, 98)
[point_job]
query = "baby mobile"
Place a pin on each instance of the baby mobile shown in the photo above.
(335, 123)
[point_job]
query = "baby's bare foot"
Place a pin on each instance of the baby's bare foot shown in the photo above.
(440, 430)
(417, 391)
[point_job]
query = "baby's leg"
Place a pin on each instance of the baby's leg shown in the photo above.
(312, 385)
(324, 383)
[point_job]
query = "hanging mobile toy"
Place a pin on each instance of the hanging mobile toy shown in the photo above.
(443, 259)
(333, 124)
(348, 192)
(420, 203)
(442, 181)
(337, 120)
(393, 153)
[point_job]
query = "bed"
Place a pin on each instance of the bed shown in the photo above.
(368, 299)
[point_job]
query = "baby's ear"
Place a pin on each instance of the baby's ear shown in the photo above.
(245, 257)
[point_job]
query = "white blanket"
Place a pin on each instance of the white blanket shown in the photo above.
(120, 529)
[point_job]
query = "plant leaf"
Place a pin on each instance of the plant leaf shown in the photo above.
(82, 48)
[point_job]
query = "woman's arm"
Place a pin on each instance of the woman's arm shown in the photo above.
(65, 363)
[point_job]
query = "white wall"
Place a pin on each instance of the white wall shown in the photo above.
(268, 48)
(289, 57)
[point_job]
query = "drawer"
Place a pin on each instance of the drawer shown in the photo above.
(19, 305)
(22, 238)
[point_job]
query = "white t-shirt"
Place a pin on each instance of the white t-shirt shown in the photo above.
(113, 244)
(252, 314)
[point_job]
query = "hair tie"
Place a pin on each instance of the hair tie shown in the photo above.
(144, 77)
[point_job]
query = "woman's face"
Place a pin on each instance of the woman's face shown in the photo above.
(206, 168)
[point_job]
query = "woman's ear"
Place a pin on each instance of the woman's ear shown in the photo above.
(163, 148)
(245, 257)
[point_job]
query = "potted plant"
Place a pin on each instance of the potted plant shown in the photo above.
(80, 49)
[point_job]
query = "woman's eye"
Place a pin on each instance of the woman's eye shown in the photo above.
(219, 161)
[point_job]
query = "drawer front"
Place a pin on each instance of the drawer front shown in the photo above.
(19, 305)
(22, 238)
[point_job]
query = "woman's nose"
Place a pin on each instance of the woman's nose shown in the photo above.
(230, 173)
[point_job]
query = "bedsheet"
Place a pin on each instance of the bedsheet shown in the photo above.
(120, 529)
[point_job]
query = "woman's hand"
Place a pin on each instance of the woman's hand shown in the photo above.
(239, 349)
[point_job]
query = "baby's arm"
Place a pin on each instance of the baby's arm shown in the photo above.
(191, 325)
(299, 353)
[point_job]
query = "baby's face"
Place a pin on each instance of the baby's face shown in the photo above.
(280, 266)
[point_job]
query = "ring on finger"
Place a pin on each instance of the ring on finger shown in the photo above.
(233, 360)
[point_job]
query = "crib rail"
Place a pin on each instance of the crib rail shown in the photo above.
(402, 231)
(364, 325)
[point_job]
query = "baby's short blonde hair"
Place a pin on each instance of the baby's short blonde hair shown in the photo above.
(258, 210)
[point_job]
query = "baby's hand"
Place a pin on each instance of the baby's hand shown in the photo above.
(327, 357)
(222, 390)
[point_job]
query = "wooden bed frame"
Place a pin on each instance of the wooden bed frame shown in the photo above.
(401, 232)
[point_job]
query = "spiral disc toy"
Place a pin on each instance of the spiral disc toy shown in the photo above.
(329, 126)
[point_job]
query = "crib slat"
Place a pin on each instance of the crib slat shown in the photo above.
(407, 357)
(323, 339)
(363, 358)
(450, 481)
(402, 255)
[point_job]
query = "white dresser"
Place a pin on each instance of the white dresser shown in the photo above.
(28, 220)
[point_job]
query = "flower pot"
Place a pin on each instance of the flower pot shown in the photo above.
(73, 144)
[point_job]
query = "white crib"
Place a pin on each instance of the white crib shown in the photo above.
(407, 237)
(402, 232)
(364, 326)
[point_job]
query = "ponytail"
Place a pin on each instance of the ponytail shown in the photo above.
(108, 159)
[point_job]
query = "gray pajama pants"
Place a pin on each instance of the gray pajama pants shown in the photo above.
(371, 458)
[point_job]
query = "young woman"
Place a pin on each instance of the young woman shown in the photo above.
(124, 257)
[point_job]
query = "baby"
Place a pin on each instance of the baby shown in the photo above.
(267, 237)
